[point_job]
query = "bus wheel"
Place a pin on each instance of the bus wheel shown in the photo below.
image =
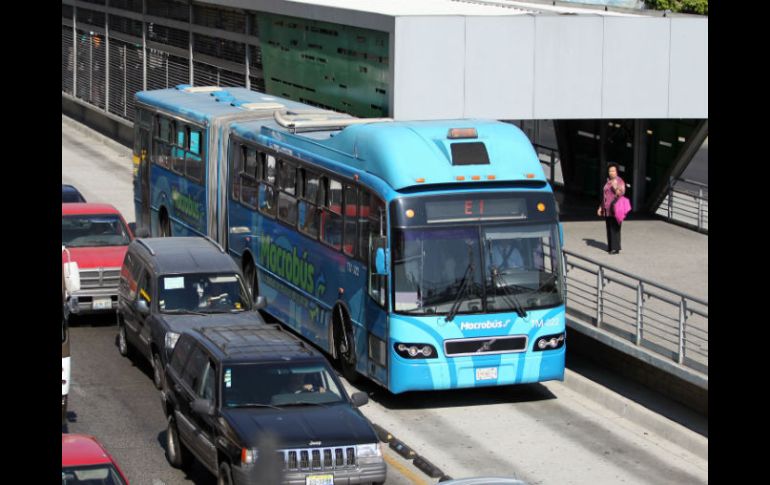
(165, 225)
(343, 341)
(250, 274)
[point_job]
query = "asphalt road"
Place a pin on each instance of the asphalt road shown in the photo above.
(541, 433)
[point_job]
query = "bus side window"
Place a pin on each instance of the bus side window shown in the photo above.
(363, 224)
(335, 196)
(162, 146)
(238, 152)
(307, 210)
(350, 219)
(178, 149)
(287, 204)
(248, 178)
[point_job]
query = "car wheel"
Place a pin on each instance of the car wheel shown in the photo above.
(157, 371)
(123, 346)
(225, 476)
(176, 453)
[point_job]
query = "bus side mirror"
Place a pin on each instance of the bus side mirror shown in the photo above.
(142, 308)
(260, 302)
(380, 262)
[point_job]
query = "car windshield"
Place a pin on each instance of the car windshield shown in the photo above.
(202, 292)
(284, 384)
(101, 474)
(90, 230)
(488, 267)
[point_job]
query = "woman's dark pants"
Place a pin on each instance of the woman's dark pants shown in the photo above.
(613, 234)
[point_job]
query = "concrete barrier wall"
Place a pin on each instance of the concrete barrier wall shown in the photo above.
(107, 124)
(683, 387)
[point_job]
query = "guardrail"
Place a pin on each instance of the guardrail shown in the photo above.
(650, 315)
(686, 205)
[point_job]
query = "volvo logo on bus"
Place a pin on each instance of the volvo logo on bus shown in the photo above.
(489, 324)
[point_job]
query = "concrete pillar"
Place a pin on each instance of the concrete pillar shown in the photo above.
(640, 165)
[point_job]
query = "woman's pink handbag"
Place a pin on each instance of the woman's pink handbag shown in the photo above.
(622, 208)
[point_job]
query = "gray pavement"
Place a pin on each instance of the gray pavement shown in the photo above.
(656, 250)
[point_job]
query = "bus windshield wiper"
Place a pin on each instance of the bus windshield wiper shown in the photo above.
(508, 295)
(461, 292)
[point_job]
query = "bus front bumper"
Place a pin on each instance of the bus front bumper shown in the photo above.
(475, 371)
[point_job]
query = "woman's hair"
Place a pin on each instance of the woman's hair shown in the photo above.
(613, 164)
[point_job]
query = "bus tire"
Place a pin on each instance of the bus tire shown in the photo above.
(343, 344)
(165, 224)
(250, 275)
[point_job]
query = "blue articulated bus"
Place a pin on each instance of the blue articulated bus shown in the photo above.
(424, 255)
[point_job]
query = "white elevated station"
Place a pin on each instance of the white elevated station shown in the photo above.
(526, 60)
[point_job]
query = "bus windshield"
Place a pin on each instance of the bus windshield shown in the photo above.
(478, 268)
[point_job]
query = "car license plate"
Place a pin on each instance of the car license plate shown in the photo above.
(319, 480)
(102, 303)
(486, 373)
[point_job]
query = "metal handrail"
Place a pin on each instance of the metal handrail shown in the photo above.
(700, 204)
(652, 309)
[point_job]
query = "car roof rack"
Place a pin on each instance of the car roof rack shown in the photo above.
(300, 121)
(218, 246)
(146, 246)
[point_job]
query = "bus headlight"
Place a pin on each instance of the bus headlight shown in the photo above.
(369, 454)
(416, 351)
(549, 342)
(171, 338)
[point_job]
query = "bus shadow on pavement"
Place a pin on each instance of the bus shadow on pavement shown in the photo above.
(519, 393)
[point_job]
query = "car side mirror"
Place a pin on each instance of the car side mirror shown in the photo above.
(359, 399)
(203, 406)
(141, 307)
(260, 302)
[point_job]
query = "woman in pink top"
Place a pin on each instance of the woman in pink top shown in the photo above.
(613, 189)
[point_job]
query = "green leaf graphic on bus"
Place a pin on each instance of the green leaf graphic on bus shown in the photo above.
(186, 205)
(287, 264)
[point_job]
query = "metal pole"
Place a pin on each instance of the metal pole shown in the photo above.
(599, 289)
(682, 310)
(670, 198)
(107, 61)
(553, 167)
(190, 44)
(74, 52)
(700, 208)
(90, 67)
(248, 52)
(639, 311)
(144, 45)
(125, 83)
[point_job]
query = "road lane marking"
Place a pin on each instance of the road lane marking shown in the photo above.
(404, 470)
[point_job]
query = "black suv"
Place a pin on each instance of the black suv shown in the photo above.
(170, 284)
(256, 405)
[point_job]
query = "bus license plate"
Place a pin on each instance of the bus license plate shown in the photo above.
(486, 373)
(102, 303)
(319, 480)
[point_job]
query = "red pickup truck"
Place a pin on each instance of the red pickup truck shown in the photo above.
(96, 237)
